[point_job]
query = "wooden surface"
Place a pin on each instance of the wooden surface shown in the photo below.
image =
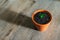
(16, 23)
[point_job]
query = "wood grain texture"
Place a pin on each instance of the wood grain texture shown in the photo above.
(16, 24)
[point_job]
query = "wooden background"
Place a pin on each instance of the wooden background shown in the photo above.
(16, 23)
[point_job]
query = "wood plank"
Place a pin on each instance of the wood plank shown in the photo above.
(17, 25)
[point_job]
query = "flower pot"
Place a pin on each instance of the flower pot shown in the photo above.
(41, 19)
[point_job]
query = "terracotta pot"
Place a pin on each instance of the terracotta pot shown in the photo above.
(41, 26)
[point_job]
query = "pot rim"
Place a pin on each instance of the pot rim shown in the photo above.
(39, 10)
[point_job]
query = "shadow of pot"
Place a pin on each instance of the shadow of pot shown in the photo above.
(41, 19)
